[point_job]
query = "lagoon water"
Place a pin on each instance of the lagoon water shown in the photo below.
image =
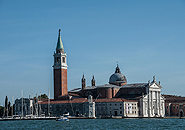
(95, 124)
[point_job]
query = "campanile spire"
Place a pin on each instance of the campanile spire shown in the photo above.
(59, 42)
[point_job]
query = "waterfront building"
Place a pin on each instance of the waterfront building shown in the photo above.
(116, 107)
(148, 95)
(174, 105)
(116, 98)
(90, 107)
(23, 106)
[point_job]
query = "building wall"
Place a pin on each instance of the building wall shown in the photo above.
(92, 109)
(109, 93)
(64, 82)
(133, 90)
(102, 92)
(27, 106)
(87, 92)
(57, 83)
(175, 109)
(116, 109)
(74, 109)
(131, 109)
(89, 109)
(167, 109)
(60, 82)
(152, 104)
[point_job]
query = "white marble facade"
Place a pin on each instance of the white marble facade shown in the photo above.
(152, 104)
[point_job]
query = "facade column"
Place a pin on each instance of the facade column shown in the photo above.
(163, 110)
(152, 110)
(159, 103)
(149, 105)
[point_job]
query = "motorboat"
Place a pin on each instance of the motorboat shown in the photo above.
(62, 118)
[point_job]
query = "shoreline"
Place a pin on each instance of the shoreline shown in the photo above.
(54, 118)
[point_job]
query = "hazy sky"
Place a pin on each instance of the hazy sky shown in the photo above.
(146, 38)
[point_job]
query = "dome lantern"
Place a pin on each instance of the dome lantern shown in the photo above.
(118, 78)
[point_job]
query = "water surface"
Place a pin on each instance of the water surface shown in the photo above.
(95, 124)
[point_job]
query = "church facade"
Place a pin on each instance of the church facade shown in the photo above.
(116, 98)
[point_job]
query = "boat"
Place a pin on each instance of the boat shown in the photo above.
(62, 118)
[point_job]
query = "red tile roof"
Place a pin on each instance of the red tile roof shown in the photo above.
(73, 94)
(114, 100)
(173, 98)
(75, 100)
(83, 100)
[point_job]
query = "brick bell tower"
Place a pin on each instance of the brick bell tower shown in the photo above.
(60, 70)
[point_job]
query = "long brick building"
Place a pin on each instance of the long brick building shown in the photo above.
(174, 105)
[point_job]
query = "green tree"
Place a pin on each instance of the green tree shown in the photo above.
(6, 104)
(9, 109)
(1, 111)
(42, 96)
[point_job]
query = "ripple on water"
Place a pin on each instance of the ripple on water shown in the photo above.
(95, 124)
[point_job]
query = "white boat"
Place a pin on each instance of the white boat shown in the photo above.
(62, 118)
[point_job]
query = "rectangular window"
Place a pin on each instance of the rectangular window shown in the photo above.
(63, 59)
(120, 112)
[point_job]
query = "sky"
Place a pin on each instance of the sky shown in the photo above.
(145, 38)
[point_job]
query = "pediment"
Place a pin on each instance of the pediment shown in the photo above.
(155, 85)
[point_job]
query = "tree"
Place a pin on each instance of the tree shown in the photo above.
(1, 111)
(9, 109)
(42, 96)
(6, 104)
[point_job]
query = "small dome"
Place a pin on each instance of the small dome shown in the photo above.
(117, 78)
